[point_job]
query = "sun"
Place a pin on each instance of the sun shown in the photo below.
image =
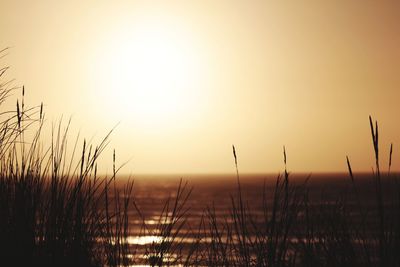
(148, 74)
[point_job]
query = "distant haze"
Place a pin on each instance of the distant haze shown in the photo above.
(187, 79)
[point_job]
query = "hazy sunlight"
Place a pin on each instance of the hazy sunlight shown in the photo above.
(148, 74)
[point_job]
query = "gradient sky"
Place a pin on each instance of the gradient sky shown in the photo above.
(187, 79)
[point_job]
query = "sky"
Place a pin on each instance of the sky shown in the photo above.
(184, 80)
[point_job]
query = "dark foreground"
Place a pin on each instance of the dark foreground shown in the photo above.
(266, 220)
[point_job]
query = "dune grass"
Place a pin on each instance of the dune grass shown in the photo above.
(55, 210)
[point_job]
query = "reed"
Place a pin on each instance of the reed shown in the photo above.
(55, 210)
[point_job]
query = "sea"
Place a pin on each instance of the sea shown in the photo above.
(154, 203)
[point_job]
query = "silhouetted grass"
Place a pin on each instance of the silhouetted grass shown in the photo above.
(55, 210)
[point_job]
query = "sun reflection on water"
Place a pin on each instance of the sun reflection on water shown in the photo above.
(143, 240)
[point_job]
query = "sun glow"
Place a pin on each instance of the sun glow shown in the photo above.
(148, 74)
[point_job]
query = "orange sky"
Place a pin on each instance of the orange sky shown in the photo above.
(187, 79)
